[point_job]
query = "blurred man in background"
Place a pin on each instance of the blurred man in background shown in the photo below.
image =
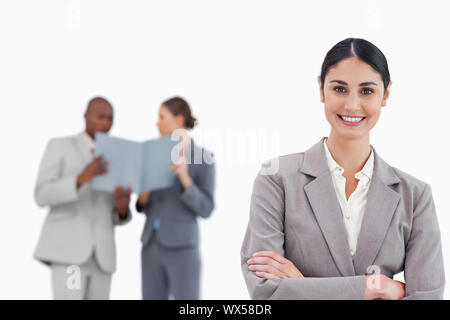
(77, 238)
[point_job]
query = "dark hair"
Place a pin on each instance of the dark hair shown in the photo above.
(95, 100)
(364, 50)
(176, 106)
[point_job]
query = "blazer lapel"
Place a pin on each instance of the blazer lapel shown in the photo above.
(83, 148)
(381, 204)
(322, 198)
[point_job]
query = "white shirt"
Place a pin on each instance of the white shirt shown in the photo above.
(353, 208)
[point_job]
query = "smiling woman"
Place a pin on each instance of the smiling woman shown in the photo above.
(355, 82)
(332, 215)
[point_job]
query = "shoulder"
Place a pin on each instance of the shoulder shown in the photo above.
(58, 141)
(411, 186)
(207, 152)
(282, 165)
(59, 145)
(201, 155)
(274, 173)
(408, 180)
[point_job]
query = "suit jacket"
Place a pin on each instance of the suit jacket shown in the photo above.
(79, 220)
(295, 212)
(177, 208)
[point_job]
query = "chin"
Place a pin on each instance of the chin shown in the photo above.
(347, 134)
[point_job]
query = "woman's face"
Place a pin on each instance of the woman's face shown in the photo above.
(168, 122)
(353, 94)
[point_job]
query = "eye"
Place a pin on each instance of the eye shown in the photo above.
(367, 91)
(339, 89)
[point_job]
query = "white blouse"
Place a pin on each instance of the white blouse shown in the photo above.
(353, 208)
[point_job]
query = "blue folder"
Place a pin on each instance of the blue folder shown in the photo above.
(143, 166)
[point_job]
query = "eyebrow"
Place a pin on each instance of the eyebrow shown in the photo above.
(361, 84)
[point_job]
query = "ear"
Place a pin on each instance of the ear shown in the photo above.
(179, 119)
(387, 92)
(322, 96)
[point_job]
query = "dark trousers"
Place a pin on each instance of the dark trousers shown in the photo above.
(170, 272)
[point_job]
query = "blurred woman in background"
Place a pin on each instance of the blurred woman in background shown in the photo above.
(170, 256)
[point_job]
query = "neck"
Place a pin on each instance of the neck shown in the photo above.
(183, 135)
(351, 154)
(90, 135)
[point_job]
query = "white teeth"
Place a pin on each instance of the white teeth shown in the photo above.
(352, 119)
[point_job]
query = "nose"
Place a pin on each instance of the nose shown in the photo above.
(353, 105)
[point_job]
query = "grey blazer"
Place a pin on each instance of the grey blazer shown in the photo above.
(177, 208)
(295, 212)
(79, 220)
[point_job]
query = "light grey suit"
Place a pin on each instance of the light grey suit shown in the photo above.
(295, 212)
(80, 221)
(170, 256)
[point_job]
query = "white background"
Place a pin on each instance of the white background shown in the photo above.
(245, 67)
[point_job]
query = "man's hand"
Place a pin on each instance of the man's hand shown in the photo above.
(271, 265)
(122, 200)
(96, 167)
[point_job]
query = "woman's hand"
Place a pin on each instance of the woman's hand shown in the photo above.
(143, 198)
(271, 265)
(391, 289)
(181, 169)
(379, 286)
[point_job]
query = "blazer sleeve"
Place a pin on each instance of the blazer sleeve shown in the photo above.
(51, 187)
(424, 265)
(199, 196)
(265, 231)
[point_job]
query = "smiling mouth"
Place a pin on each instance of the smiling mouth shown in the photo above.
(351, 119)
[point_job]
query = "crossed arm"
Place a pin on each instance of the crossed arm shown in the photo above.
(269, 275)
(271, 265)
